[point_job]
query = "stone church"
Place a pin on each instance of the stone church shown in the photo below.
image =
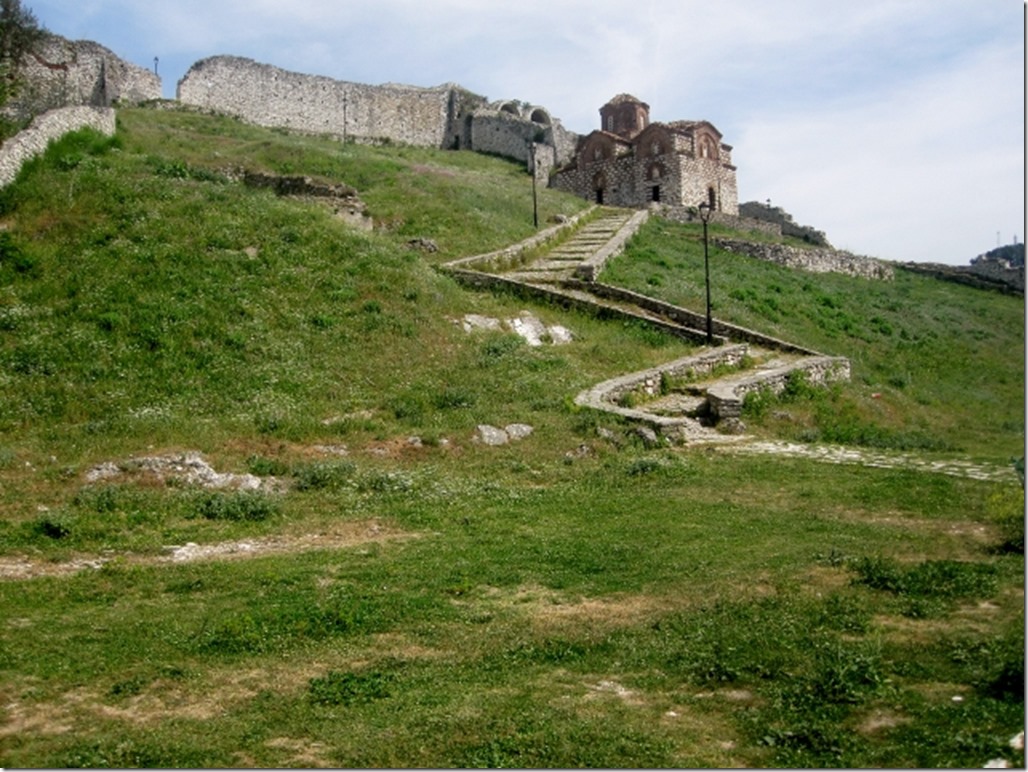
(634, 163)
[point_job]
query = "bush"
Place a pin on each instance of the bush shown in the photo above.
(252, 507)
(324, 475)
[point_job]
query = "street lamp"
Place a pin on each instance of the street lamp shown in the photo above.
(535, 196)
(705, 210)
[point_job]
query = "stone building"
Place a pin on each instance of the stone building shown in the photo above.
(632, 162)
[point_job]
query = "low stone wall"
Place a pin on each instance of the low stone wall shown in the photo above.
(725, 397)
(606, 396)
(815, 260)
(1009, 281)
(591, 266)
(514, 256)
(721, 330)
(46, 128)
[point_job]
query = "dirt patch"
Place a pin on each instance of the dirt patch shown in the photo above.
(335, 536)
(302, 753)
(596, 614)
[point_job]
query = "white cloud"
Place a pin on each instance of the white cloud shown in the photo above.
(928, 171)
(804, 89)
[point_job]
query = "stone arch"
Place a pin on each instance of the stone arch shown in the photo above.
(540, 116)
(708, 147)
(510, 108)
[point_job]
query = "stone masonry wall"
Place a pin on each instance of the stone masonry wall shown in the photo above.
(815, 260)
(445, 116)
(510, 136)
(65, 73)
(269, 96)
(46, 128)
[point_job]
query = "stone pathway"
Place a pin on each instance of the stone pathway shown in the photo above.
(837, 454)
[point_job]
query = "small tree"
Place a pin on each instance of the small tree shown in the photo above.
(19, 34)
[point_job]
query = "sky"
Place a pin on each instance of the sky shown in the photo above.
(895, 126)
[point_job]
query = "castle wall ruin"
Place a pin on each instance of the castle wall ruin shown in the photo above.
(445, 116)
(65, 73)
(46, 128)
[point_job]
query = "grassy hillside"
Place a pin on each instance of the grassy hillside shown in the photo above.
(565, 600)
(936, 366)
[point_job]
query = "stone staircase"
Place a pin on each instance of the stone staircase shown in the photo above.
(565, 273)
(561, 263)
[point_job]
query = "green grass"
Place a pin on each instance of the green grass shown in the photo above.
(562, 601)
(935, 365)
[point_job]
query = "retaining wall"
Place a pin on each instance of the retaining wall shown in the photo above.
(605, 396)
(46, 128)
(590, 267)
(725, 397)
(721, 330)
(814, 259)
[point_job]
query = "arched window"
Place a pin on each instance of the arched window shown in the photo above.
(712, 198)
(655, 149)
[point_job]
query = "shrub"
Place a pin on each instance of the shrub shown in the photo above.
(324, 475)
(52, 527)
(241, 506)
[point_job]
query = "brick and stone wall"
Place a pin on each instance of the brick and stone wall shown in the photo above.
(63, 73)
(46, 128)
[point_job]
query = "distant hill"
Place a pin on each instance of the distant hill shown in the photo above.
(1008, 256)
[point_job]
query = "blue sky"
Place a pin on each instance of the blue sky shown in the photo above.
(896, 126)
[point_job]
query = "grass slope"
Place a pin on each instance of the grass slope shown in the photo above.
(561, 601)
(945, 361)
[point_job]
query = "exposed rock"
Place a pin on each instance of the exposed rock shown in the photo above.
(490, 435)
(472, 322)
(731, 426)
(423, 244)
(518, 431)
(533, 331)
(647, 435)
(582, 451)
(529, 327)
(187, 468)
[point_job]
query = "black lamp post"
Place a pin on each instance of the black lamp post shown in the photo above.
(705, 211)
(535, 196)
